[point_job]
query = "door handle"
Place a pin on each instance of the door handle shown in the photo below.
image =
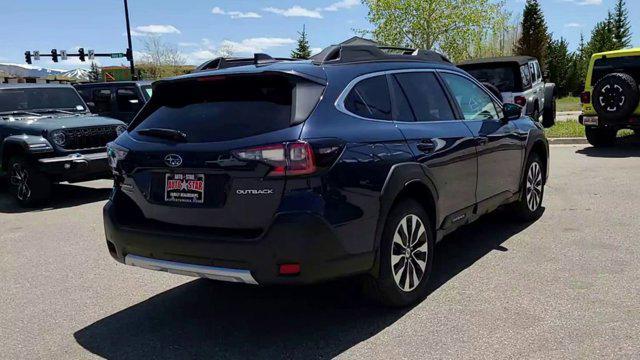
(482, 140)
(426, 146)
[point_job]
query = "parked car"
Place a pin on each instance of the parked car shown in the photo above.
(610, 100)
(295, 172)
(119, 100)
(47, 135)
(519, 80)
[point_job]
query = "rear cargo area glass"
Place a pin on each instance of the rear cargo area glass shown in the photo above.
(222, 108)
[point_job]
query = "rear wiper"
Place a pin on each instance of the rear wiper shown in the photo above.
(170, 134)
(18, 112)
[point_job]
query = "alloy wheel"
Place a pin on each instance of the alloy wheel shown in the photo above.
(409, 253)
(19, 178)
(534, 186)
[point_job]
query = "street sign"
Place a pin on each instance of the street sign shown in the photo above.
(91, 54)
(36, 55)
(63, 54)
(117, 55)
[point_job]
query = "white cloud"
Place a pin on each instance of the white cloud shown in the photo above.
(343, 4)
(586, 2)
(315, 50)
(188, 44)
(572, 25)
(295, 11)
(256, 45)
(154, 29)
(236, 14)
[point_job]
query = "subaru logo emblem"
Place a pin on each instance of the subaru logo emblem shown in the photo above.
(173, 160)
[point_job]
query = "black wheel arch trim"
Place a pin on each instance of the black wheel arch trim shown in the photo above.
(28, 144)
(535, 139)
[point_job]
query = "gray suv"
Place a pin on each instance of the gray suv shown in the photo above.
(517, 80)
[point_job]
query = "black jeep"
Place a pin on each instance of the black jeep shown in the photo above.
(47, 135)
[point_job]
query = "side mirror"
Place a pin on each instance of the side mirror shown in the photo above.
(511, 111)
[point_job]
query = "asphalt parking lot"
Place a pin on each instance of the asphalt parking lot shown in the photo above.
(564, 287)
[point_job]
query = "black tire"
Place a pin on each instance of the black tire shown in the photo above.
(615, 96)
(494, 90)
(529, 206)
(549, 111)
(28, 185)
(402, 289)
(600, 136)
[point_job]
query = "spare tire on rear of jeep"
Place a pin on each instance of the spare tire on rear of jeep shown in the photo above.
(615, 96)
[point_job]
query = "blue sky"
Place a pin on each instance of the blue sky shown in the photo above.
(200, 27)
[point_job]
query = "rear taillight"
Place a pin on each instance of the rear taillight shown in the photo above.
(520, 100)
(286, 159)
(585, 97)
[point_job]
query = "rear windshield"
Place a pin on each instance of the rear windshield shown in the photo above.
(502, 77)
(40, 99)
(624, 64)
(222, 108)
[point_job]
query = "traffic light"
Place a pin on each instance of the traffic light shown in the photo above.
(54, 55)
(81, 54)
(27, 57)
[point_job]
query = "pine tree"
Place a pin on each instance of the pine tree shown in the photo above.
(602, 37)
(302, 51)
(94, 74)
(558, 65)
(621, 25)
(535, 37)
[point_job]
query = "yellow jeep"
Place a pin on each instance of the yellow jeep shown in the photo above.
(611, 97)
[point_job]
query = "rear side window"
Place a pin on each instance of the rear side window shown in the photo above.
(222, 108)
(370, 99)
(426, 97)
(128, 100)
(526, 76)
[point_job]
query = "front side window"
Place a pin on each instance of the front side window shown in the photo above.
(475, 103)
(128, 100)
(426, 97)
(101, 100)
(370, 99)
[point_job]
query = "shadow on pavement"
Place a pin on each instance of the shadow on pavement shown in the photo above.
(628, 146)
(204, 319)
(63, 196)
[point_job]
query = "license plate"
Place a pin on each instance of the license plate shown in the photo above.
(590, 120)
(184, 188)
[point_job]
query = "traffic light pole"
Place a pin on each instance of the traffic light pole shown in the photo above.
(130, 49)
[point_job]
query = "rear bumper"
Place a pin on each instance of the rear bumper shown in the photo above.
(596, 121)
(76, 167)
(301, 238)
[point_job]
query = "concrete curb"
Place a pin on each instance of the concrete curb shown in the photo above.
(567, 141)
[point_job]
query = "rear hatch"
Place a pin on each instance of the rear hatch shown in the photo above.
(204, 152)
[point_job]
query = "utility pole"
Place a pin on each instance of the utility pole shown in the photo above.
(130, 49)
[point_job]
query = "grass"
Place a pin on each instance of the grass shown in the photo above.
(568, 103)
(564, 129)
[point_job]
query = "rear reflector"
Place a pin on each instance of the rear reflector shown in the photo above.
(289, 269)
(585, 97)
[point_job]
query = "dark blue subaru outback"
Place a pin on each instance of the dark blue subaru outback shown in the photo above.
(292, 172)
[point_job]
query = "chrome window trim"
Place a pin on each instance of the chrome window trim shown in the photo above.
(339, 103)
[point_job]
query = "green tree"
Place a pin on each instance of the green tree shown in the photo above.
(453, 27)
(535, 36)
(559, 62)
(621, 25)
(602, 37)
(302, 51)
(95, 74)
